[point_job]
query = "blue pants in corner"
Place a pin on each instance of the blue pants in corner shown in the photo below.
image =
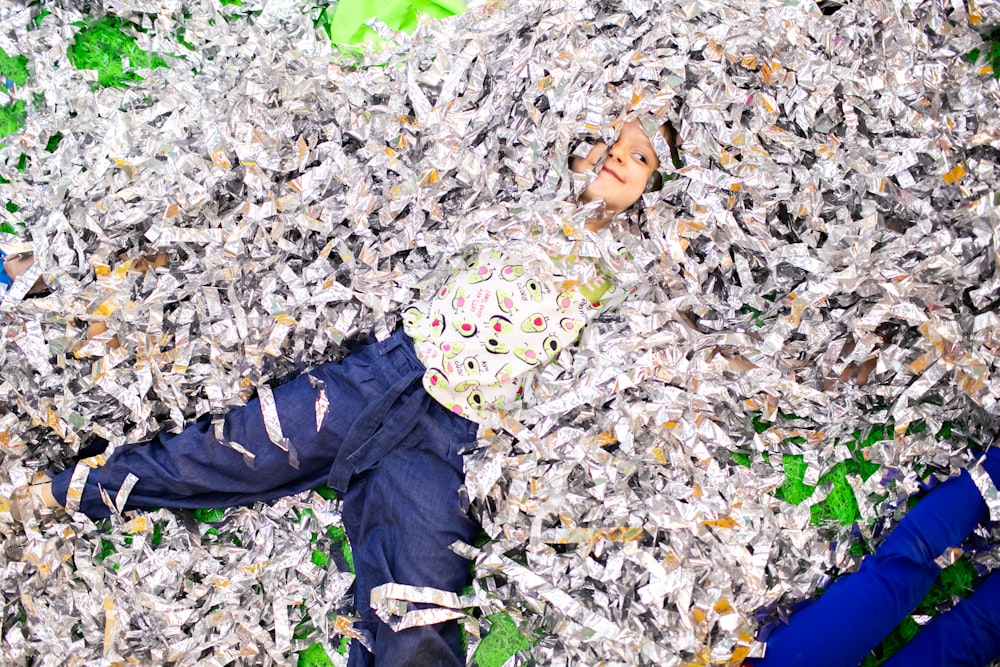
(385, 444)
(859, 610)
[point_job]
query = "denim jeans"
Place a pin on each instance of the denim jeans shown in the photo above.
(391, 450)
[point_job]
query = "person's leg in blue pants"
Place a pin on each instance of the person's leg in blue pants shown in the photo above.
(384, 443)
(410, 511)
(966, 636)
(860, 609)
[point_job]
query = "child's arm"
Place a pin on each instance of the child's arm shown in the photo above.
(142, 265)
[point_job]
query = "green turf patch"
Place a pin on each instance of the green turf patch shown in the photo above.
(14, 69)
(315, 656)
(157, 534)
(12, 118)
(209, 515)
(840, 505)
(501, 642)
(104, 45)
(53, 143)
(37, 21)
(339, 537)
(989, 54)
(325, 491)
(320, 559)
(742, 458)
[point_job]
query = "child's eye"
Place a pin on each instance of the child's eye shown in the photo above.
(640, 157)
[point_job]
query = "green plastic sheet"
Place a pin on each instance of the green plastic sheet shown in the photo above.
(348, 19)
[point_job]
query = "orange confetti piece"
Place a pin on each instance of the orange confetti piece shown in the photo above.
(954, 175)
(431, 178)
(606, 438)
(219, 159)
(723, 607)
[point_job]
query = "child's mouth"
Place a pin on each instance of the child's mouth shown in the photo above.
(613, 173)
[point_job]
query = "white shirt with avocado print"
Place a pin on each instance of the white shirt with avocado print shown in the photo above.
(509, 311)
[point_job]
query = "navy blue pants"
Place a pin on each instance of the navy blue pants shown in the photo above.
(859, 610)
(392, 451)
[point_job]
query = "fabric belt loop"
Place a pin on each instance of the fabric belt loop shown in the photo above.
(365, 427)
(391, 431)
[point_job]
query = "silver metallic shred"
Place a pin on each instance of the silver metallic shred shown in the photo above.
(272, 424)
(391, 603)
(987, 489)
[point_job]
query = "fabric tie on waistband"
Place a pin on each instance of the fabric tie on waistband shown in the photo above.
(379, 427)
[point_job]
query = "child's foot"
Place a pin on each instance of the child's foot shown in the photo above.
(858, 371)
(151, 262)
(32, 501)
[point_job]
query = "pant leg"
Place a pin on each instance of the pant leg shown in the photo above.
(966, 636)
(384, 440)
(401, 517)
(859, 610)
(192, 469)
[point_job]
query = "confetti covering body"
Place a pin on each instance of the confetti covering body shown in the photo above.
(839, 186)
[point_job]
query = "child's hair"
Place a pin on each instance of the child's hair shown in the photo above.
(670, 135)
(657, 179)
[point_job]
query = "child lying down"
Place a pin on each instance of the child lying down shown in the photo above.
(401, 411)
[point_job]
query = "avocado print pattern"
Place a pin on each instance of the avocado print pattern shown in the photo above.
(506, 318)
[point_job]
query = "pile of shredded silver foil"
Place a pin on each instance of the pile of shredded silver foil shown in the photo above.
(838, 200)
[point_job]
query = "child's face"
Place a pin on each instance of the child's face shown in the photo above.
(623, 177)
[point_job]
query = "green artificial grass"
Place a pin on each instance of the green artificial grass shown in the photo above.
(314, 656)
(12, 118)
(14, 69)
(209, 515)
(102, 45)
(989, 54)
(53, 142)
(339, 537)
(501, 642)
(841, 506)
